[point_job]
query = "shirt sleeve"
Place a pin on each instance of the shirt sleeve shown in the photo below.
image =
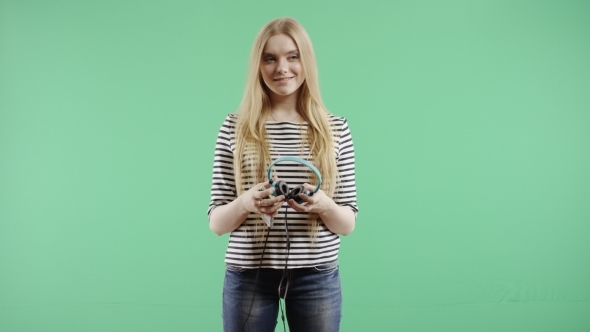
(345, 191)
(223, 188)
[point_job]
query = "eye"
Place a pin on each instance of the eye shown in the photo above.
(268, 59)
(294, 57)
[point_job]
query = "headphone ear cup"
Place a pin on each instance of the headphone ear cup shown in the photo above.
(281, 188)
(294, 193)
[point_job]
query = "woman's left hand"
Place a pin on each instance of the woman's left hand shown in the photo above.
(318, 203)
(338, 219)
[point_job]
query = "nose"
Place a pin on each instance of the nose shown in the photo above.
(282, 66)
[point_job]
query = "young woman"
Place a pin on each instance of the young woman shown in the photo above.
(296, 257)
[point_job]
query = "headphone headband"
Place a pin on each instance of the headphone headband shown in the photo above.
(300, 161)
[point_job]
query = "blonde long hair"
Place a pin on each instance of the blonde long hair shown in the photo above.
(256, 106)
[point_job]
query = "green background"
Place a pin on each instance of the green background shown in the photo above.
(471, 124)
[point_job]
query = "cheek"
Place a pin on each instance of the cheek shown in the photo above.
(296, 68)
(266, 74)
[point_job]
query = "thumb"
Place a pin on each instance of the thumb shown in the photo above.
(309, 187)
(262, 186)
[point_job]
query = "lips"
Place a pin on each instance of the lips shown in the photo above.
(283, 79)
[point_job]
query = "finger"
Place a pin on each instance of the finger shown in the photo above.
(264, 203)
(309, 187)
(258, 203)
(268, 211)
(262, 186)
(275, 207)
(275, 200)
(269, 204)
(263, 210)
(297, 207)
(306, 198)
(271, 209)
(263, 194)
(278, 209)
(267, 183)
(269, 191)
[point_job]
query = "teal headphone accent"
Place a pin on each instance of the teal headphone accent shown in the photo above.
(282, 188)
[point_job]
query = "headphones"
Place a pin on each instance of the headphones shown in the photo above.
(282, 188)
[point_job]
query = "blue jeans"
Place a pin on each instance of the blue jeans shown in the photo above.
(313, 299)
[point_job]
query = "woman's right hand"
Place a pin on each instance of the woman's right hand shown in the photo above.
(258, 199)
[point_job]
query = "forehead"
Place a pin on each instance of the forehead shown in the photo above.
(279, 44)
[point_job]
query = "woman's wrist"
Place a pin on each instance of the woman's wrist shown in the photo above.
(240, 204)
(228, 217)
(338, 219)
(329, 207)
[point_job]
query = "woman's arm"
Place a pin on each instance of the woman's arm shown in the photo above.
(226, 218)
(339, 213)
(338, 219)
(227, 211)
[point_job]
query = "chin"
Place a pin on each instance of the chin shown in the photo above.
(284, 93)
(287, 93)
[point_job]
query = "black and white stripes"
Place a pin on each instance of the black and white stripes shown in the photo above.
(285, 139)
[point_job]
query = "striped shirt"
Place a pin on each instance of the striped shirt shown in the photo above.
(285, 139)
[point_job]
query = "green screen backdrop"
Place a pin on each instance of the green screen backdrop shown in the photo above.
(471, 124)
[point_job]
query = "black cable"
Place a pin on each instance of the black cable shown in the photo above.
(288, 249)
(282, 277)
(285, 272)
(256, 280)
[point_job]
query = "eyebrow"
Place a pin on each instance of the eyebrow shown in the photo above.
(265, 54)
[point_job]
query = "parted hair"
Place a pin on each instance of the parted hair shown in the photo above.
(252, 151)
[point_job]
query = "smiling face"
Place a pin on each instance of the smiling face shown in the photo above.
(280, 65)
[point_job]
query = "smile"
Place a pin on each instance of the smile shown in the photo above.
(284, 79)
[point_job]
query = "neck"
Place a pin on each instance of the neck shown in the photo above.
(284, 108)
